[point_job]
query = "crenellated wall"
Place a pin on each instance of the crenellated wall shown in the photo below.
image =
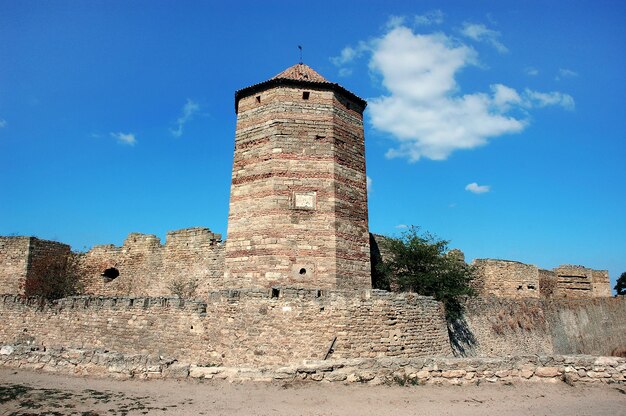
(192, 256)
(13, 263)
(236, 327)
(25, 259)
(512, 279)
(507, 278)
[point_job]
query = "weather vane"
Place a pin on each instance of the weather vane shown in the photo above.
(300, 47)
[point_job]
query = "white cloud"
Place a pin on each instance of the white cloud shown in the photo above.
(345, 72)
(349, 54)
(433, 17)
(401, 226)
(533, 72)
(422, 111)
(543, 99)
(395, 21)
(504, 97)
(125, 138)
(189, 110)
(3, 123)
(369, 184)
(566, 73)
(480, 33)
(477, 189)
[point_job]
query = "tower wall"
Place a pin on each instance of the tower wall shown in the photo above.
(298, 207)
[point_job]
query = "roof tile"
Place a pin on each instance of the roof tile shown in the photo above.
(301, 72)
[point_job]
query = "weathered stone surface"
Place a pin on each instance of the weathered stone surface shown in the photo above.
(547, 372)
(6, 350)
(243, 326)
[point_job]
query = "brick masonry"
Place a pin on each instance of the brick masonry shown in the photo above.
(294, 275)
(236, 327)
(512, 279)
(572, 369)
(25, 258)
(147, 268)
(298, 205)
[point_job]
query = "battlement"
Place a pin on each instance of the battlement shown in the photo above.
(23, 260)
(507, 278)
(191, 259)
(236, 327)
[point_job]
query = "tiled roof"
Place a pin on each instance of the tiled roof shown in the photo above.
(301, 72)
(299, 75)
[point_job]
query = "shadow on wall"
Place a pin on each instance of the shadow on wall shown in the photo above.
(462, 339)
(376, 258)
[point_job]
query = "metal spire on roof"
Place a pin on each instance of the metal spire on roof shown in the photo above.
(300, 47)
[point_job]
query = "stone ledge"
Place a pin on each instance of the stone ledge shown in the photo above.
(411, 371)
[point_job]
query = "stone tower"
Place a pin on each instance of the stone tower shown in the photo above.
(298, 199)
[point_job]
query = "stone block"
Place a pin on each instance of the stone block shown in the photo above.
(547, 372)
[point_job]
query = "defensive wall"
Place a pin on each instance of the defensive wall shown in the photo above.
(235, 327)
(28, 258)
(143, 266)
(512, 279)
(495, 326)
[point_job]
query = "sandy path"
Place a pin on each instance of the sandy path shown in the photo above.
(30, 393)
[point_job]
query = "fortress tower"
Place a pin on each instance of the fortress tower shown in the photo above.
(298, 199)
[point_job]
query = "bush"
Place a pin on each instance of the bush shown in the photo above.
(620, 285)
(420, 262)
(183, 288)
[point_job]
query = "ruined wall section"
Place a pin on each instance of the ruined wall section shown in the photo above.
(147, 268)
(505, 278)
(512, 279)
(236, 327)
(548, 286)
(193, 256)
(582, 282)
(25, 260)
(14, 253)
(504, 326)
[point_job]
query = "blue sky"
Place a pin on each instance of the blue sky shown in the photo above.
(118, 117)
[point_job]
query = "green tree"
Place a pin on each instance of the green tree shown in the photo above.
(620, 286)
(420, 262)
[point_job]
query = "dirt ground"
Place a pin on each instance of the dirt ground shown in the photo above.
(29, 393)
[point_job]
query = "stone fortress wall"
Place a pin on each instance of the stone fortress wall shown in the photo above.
(512, 279)
(235, 327)
(293, 283)
(24, 258)
(142, 266)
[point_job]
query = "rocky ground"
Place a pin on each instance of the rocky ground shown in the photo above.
(28, 393)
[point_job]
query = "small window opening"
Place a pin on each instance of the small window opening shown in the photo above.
(520, 287)
(258, 98)
(275, 292)
(111, 273)
(531, 287)
(306, 95)
(302, 271)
